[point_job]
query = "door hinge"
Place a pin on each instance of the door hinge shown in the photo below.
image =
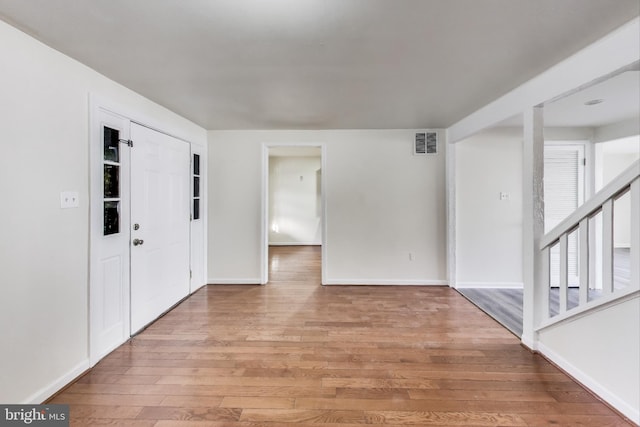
(190, 217)
(127, 141)
(584, 161)
(190, 274)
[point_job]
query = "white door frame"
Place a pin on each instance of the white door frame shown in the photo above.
(96, 105)
(264, 228)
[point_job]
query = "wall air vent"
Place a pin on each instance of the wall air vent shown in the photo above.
(425, 143)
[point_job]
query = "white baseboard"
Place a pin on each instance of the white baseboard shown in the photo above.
(57, 385)
(493, 285)
(611, 398)
(376, 282)
(251, 281)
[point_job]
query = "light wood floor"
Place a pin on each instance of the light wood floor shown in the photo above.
(293, 353)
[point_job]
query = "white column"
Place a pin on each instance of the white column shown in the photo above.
(533, 223)
(450, 153)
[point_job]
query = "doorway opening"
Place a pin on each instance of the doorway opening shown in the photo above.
(293, 209)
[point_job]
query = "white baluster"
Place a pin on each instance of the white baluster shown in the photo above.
(564, 271)
(583, 235)
(546, 284)
(607, 247)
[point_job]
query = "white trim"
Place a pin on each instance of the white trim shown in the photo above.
(55, 386)
(587, 381)
(386, 282)
(451, 220)
(601, 59)
(295, 244)
(264, 213)
(264, 206)
(490, 285)
(529, 343)
(251, 281)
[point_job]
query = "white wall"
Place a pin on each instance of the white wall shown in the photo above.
(44, 117)
(294, 200)
(602, 352)
(382, 203)
(489, 230)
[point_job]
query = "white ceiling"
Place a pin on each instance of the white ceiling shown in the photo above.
(620, 97)
(319, 64)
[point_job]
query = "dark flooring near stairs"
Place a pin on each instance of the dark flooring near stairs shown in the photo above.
(505, 305)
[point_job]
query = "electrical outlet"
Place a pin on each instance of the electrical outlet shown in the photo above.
(411, 257)
(504, 196)
(69, 199)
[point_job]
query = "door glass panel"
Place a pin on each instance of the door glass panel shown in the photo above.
(111, 218)
(196, 186)
(196, 164)
(111, 181)
(111, 145)
(196, 208)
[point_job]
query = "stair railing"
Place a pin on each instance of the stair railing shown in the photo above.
(580, 221)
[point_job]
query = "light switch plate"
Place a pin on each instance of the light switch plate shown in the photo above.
(69, 199)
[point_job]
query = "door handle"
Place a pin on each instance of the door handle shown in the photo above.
(137, 242)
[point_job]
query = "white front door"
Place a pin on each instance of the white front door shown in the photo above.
(109, 263)
(160, 217)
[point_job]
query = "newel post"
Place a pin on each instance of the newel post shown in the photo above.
(532, 222)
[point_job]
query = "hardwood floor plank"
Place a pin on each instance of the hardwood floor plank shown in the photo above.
(507, 396)
(302, 416)
(295, 354)
(449, 405)
(192, 401)
(100, 411)
(195, 414)
(258, 402)
(465, 418)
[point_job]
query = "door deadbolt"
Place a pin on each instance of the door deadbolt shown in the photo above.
(136, 226)
(138, 242)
